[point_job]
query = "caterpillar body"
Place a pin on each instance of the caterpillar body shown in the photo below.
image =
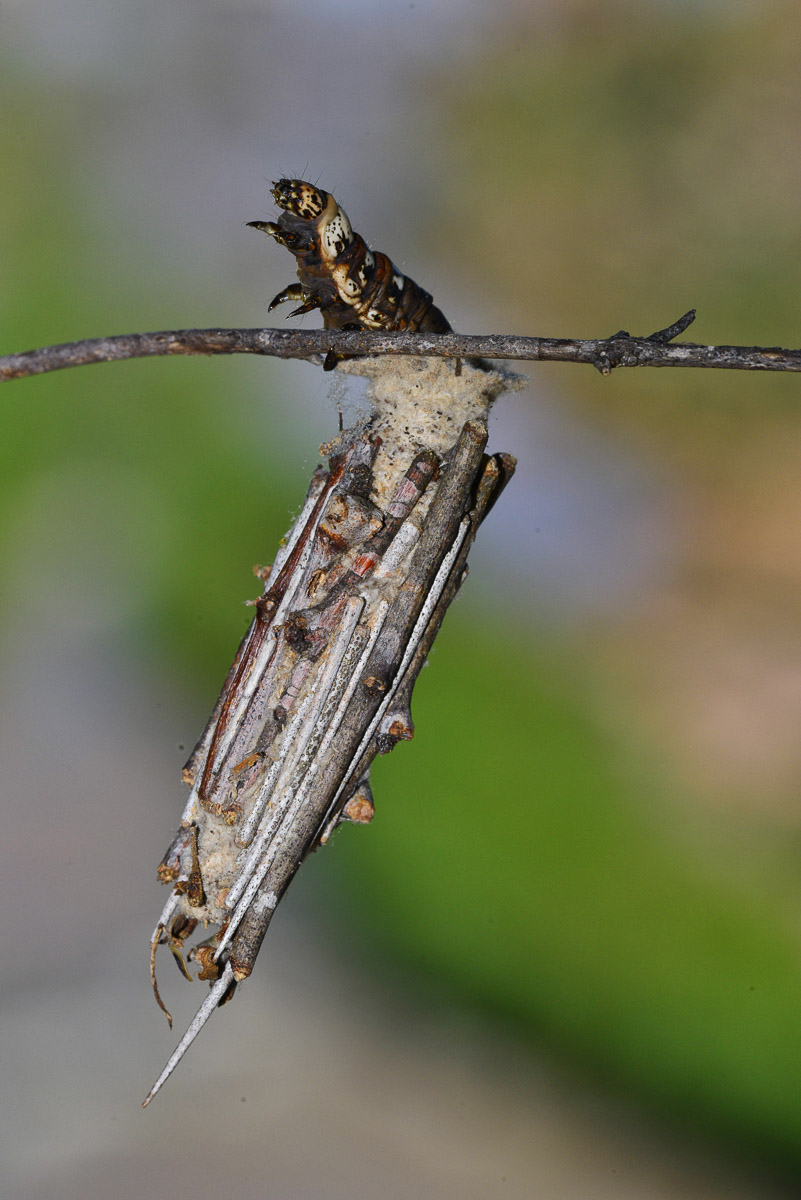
(353, 286)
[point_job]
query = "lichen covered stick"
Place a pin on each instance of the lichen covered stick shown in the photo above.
(322, 681)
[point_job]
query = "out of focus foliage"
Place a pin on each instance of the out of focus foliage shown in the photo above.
(629, 168)
(594, 835)
(153, 465)
(554, 887)
(593, 838)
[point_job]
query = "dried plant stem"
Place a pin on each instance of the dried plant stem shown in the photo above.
(619, 350)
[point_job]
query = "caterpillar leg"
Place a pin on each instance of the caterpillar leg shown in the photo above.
(293, 291)
(296, 291)
(284, 237)
(309, 303)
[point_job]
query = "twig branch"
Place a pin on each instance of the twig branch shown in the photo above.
(619, 350)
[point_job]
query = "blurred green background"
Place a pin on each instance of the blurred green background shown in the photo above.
(594, 841)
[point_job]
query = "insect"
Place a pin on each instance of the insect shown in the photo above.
(354, 287)
(322, 680)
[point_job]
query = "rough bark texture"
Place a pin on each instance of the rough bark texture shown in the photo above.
(605, 354)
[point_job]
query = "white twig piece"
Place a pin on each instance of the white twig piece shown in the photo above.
(198, 1021)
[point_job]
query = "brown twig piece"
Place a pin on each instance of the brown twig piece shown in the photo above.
(620, 350)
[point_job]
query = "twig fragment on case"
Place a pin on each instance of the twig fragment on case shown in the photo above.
(322, 681)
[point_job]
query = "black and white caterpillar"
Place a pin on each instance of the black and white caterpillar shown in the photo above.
(354, 287)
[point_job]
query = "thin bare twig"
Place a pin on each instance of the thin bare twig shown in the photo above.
(619, 350)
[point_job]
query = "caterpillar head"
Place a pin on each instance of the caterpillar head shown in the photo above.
(299, 198)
